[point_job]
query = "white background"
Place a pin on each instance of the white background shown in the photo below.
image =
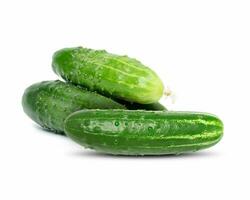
(199, 48)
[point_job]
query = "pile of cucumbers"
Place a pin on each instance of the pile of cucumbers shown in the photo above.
(109, 103)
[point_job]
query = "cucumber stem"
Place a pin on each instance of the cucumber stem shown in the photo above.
(169, 94)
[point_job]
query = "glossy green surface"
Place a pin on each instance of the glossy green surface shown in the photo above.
(48, 103)
(116, 76)
(127, 132)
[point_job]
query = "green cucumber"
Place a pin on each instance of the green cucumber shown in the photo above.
(109, 74)
(48, 103)
(128, 132)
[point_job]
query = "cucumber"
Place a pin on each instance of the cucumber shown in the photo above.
(48, 103)
(109, 74)
(128, 132)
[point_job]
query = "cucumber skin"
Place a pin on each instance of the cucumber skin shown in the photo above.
(127, 132)
(48, 103)
(112, 75)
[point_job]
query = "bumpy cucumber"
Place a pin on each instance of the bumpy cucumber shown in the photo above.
(128, 132)
(117, 76)
(48, 103)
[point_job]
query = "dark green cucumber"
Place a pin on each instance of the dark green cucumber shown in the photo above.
(109, 74)
(127, 132)
(48, 103)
